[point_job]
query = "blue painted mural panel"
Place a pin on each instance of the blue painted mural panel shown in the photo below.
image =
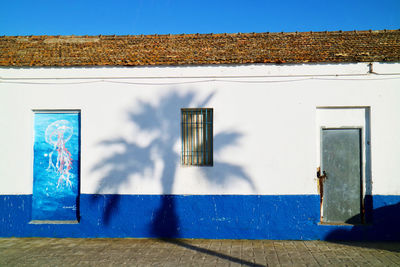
(56, 166)
(205, 216)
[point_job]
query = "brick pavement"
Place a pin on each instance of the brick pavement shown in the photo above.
(189, 252)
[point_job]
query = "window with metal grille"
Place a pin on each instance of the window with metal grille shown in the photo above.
(197, 136)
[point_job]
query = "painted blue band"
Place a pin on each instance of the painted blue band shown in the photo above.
(202, 216)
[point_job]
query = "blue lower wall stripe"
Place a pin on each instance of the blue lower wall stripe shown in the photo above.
(202, 216)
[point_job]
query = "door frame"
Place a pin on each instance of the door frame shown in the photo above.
(350, 117)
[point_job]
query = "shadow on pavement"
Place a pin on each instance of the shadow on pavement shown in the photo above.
(388, 246)
(382, 224)
(210, 252)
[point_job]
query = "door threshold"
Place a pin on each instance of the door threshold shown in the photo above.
(340, 223)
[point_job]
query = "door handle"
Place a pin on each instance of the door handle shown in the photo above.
(323, 176)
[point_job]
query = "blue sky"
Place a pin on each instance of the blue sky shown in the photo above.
(80, 17)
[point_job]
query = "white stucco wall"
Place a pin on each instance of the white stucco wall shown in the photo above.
(265, 121)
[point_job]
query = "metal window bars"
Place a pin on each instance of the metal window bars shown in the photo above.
(197, 136)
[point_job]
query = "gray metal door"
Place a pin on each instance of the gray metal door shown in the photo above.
(341, 160)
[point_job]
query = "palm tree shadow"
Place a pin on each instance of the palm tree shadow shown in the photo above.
(199, 249)
(162, 122)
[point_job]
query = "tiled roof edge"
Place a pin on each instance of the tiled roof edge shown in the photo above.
(208, 34)
(200, 49)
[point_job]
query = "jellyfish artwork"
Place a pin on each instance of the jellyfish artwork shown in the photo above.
(57, 135)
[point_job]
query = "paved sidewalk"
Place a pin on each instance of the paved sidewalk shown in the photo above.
(197, 252)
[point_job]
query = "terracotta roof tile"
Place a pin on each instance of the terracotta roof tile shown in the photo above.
(186, 49)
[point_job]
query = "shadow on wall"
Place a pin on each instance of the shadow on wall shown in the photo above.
(163, 119)
(382, 224)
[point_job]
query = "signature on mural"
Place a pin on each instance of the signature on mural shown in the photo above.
(57, 135)
(73, 207)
